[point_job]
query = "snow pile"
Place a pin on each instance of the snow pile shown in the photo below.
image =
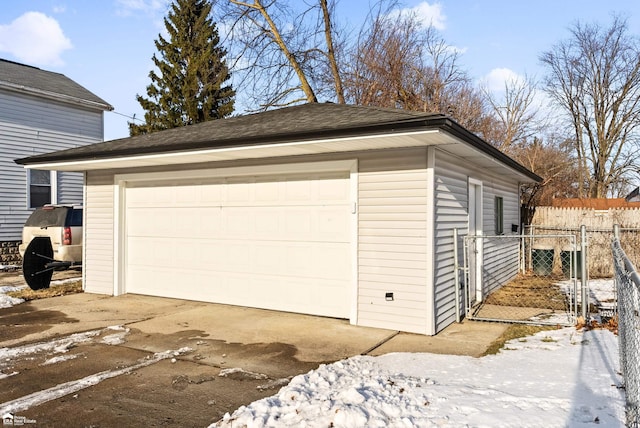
(60, 359)
(8, 301)
(555, 378)
(241, 373)
(115, 338)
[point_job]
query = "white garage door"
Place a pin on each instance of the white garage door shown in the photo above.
(276, 242)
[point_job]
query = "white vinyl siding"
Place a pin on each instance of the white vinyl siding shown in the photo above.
(31, 126)
(392, 240)
(98, 233)
(396, 244)
(451, 212)
(392, 234)
(69, 187)
(500, 262)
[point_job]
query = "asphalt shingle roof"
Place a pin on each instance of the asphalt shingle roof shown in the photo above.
(13, 74)
(298, 123)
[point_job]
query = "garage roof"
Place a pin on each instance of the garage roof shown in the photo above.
(298, 130)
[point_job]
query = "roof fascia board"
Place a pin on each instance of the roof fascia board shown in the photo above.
(55, 96)
(119, 160)
(472, 139)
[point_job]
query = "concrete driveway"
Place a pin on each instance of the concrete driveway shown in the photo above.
(92, 360)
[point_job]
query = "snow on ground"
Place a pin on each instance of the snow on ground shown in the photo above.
(8, 301)
(555, 378)
(602, 291)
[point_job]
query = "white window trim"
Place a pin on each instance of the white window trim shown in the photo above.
(54, 188)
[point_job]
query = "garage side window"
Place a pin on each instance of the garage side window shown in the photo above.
(499, 215)
(41, 188)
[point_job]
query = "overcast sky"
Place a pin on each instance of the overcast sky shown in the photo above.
(107, 45)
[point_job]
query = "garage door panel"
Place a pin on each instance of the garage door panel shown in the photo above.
(267, 190)
(211, 193)
(332, 189)
(237, 223)
(292, 259)
(306, 295)
(334, 224)
(298, 190)
(277, 242)
(210, 225)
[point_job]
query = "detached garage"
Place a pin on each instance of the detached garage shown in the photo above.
(322, 209)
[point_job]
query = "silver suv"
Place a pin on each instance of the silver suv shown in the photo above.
(62, 224)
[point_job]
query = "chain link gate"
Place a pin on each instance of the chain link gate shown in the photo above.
(523, 278)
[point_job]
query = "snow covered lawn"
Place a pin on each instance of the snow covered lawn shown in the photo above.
(561, 378)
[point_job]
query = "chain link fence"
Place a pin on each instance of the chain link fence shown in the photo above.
(628, 289)
(523, 278)
(598, 240)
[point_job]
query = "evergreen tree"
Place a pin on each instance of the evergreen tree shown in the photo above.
(190, 86)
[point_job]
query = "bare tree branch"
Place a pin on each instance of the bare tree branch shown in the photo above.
(594, 76)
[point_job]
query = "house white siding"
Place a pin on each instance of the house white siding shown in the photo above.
(30, 126)
(98, 233)
(393, 237)
(450, 212)
(69, 187)
(500, 261)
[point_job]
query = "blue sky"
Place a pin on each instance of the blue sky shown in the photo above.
(107, 45)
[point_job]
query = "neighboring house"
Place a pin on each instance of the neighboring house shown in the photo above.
(323, 209)
(40, 112)
(634, 196)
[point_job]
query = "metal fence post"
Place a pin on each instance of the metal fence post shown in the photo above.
(456, 276)
(584, 281)
(628, 284)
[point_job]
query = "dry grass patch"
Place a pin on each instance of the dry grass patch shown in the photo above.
(70, 287)
(530, 291)
(515, 331)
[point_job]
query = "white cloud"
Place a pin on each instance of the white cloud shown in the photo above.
(128, 7)
(496, 79)
(428, 14)
(153, 9)
(35, 39)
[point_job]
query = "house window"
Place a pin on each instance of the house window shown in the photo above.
(499, 215)
(41, 188)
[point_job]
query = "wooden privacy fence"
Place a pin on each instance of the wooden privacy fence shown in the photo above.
(599, 224)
